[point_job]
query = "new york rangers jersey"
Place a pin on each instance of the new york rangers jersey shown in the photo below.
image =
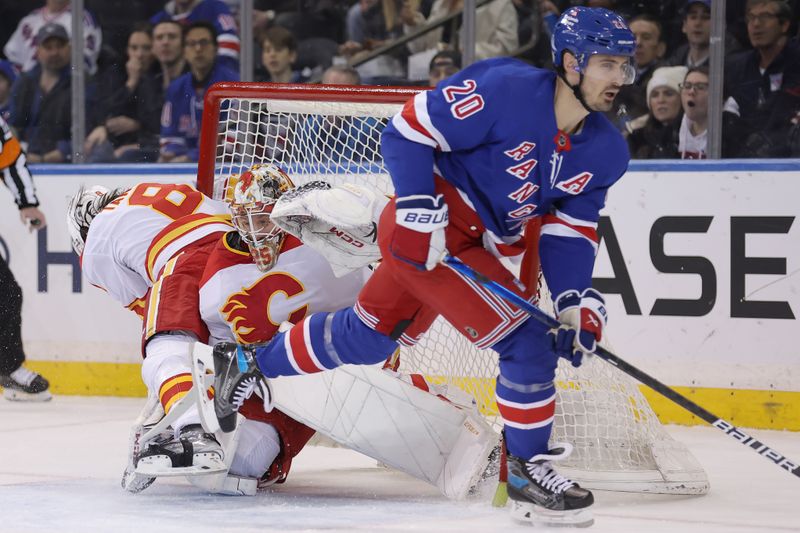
(157, 220)
(219, 15)
(21, 48)
(491, 131)
(240, 303)
(182, 113)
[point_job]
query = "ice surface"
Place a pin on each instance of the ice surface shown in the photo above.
(61, 462)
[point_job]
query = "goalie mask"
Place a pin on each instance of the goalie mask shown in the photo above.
(83, 207)
(254, 196)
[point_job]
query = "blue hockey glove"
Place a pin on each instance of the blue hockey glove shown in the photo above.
(419, 238)
(583, 317)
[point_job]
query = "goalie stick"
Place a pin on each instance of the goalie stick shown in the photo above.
(723, 425)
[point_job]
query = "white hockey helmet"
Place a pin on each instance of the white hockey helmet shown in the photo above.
(254, 196)
(83, 207)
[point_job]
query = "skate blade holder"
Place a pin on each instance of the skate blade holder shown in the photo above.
(541, 517)
(161, 466)
(203, 379)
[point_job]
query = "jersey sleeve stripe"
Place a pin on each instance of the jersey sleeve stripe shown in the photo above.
(137, 306)
(574, 221)
(424, 119)
(405, 129)
(190, 229)
(366, 318)
(556, 226)
(228, 45)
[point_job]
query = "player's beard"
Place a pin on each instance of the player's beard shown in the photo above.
(603, 101)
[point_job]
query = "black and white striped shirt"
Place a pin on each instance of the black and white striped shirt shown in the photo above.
(14, 168)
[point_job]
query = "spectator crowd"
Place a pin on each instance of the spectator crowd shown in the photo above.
(148, 64)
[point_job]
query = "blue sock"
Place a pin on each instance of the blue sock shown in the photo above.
(323, 341)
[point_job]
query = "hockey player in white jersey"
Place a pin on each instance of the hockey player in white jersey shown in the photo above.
(167, 217)
(287, 280)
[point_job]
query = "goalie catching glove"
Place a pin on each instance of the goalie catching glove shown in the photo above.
(583, 317)
(419, 237)
(340, 223)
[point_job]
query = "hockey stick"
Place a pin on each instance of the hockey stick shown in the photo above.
(723, 425)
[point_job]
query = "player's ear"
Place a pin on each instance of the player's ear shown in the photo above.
(570, 63)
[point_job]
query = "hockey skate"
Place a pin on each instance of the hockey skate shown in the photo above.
(25, 385)
(236, 377)
(540, 496)
(195, 452)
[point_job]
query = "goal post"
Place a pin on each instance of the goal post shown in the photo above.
(333, 133)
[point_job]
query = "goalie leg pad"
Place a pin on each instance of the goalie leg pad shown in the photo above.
(258, 447)
(370, 411)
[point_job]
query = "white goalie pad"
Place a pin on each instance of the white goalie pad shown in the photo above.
(370, 411)
(340, 222)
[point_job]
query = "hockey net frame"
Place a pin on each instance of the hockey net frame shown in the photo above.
(331, 133)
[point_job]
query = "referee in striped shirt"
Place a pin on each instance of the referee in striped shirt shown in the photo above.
(18, 382)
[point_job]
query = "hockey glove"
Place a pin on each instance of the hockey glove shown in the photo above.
(419, 238)
(583, 317)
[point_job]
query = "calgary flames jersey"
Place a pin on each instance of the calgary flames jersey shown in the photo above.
(238, 302)
(157, 220)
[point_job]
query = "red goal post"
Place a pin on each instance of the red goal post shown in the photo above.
(216, 94)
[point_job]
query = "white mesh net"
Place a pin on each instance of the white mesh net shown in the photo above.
(619, 442)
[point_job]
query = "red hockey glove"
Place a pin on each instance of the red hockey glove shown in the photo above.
(419, 238)
(583, 317)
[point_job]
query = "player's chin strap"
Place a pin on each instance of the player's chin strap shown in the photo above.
(576, 89)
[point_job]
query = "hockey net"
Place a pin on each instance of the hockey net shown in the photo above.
(333, 133)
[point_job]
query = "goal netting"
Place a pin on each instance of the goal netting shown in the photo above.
(333, 133)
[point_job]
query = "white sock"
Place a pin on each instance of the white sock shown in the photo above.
(258, 447)
(23, 376)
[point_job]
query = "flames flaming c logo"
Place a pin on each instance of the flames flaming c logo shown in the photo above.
(248, 312)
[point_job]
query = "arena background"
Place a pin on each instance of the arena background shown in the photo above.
(699, 262)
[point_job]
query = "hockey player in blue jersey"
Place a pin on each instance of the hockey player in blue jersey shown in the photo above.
(471, 161)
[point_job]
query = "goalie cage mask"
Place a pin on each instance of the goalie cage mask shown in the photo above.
(83, 207)
(254, 197)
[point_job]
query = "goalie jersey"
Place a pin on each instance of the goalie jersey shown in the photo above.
(157, 220)
(491, 131)
(240, 303)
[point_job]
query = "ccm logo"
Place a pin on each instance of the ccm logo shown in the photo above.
(346, 237)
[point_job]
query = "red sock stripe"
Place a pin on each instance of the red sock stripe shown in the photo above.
(531, 415)
(173, 389)
(300, 353)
